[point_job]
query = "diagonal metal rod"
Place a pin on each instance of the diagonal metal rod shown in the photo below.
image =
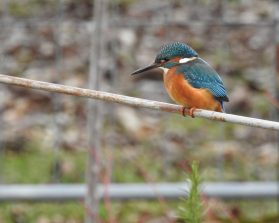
(136, 102)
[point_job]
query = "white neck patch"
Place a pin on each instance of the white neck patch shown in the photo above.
(186, 60)
(164, 69)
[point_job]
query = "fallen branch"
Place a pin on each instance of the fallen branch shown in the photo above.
(136, 102)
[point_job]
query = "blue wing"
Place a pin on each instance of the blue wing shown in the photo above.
(201, 75)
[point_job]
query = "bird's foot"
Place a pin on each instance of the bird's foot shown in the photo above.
(183, 111)
(191, 112)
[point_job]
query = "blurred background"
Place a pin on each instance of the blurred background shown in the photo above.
(46, 138)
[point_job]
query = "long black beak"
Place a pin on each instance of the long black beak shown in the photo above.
(150, 67)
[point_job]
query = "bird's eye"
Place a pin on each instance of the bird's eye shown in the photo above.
(164, 60)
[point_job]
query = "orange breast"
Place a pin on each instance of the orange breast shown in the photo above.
(184, 94)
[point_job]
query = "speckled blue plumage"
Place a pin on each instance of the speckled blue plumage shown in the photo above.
(175, 49)
(201, 75)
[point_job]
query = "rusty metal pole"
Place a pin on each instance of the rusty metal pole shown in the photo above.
(4, 23)
(94, 113)
(56, 100)
(276, 78)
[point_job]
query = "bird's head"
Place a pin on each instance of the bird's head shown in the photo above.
(170, 55)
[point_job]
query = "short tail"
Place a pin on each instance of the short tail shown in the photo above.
(221, 107)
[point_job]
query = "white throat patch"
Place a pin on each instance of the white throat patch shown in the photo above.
(186, 60)
(164, 69)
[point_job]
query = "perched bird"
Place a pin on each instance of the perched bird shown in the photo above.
(189, 80)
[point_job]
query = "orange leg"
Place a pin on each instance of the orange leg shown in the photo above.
(191, 112)
(182, 111)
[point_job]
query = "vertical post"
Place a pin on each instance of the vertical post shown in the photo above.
(224, 35)
(56, 99)
(276, 74)
(94, 118)
(276, 20)
(3, 24)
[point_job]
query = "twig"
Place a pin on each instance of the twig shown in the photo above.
(90, 213)
(137, 102)
(272, 99)
(148, 179)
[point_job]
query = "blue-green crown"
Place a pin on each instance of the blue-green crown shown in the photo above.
(175, 49)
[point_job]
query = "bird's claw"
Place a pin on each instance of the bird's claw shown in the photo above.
(182, 111)
(191, 112)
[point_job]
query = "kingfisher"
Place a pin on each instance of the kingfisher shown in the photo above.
(189, 80)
